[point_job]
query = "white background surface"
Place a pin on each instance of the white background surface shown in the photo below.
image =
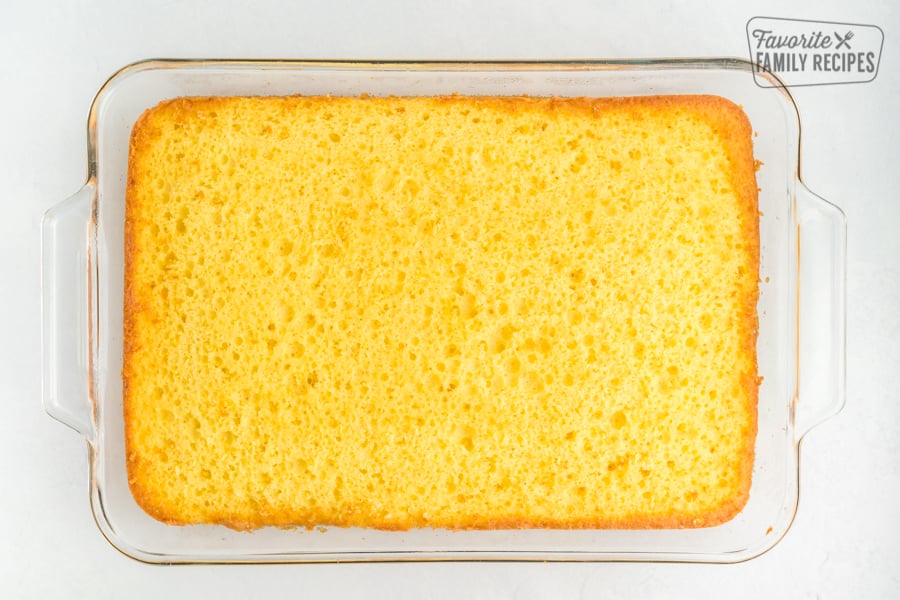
(845, 542)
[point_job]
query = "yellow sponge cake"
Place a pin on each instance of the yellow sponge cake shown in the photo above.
(454, 312)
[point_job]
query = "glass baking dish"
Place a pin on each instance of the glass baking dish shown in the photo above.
(801, 308)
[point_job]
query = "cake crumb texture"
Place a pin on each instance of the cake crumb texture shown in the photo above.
(454, 312)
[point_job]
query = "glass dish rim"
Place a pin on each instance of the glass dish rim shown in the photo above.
(648, 64)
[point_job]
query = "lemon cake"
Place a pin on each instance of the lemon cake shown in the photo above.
(450, 312)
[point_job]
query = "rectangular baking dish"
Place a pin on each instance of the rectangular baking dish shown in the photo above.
(801, 308)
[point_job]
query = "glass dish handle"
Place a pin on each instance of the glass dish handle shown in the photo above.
(822, 254)
(64, 312)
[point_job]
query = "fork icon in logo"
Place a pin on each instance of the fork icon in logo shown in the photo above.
(843, 41)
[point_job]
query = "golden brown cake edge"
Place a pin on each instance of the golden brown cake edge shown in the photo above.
(740, 146)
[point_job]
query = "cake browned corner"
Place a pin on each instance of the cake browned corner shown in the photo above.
(451, 312)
